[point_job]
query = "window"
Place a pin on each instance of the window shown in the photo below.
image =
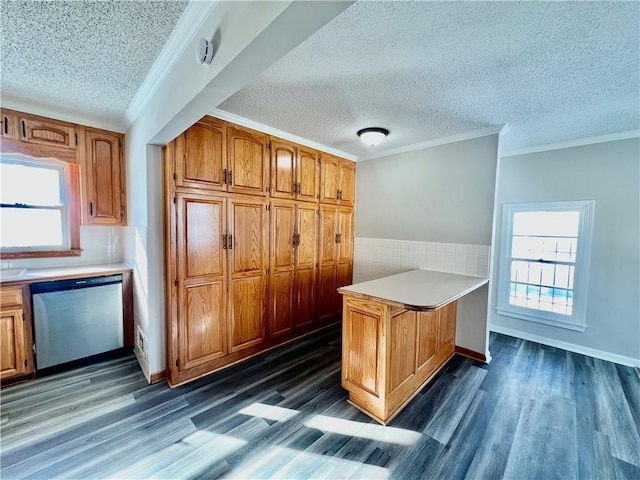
(39, 207)
(544, 263)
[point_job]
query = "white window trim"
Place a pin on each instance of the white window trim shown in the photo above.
(576, 321)
(64, 208)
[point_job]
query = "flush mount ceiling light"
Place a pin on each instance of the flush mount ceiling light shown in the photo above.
(373, 136)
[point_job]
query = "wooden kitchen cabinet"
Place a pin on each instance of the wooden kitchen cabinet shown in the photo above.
(104, 200)
(248, 157)
(9, 125)
(40, 131)
(201, 156)
(293, 266)
(294, 171)
(15, 334)
(247, 244)
(338, 177)
(201, 270)
(335, 258)
(244, 253)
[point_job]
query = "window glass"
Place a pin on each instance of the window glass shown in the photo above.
(31, 184)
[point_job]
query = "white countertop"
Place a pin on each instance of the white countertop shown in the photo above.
(418, 289)
(31, 275)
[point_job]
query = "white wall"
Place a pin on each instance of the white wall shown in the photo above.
(608, 173)
(440, 197)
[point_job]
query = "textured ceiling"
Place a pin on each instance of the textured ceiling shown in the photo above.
(553, 72)
(89, 57)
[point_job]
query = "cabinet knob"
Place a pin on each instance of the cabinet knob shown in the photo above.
(91, 209)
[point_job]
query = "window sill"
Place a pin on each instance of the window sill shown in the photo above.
(545, 321)
(75, 252)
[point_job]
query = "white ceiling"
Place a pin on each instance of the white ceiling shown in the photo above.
(553, 72)
(88, 57)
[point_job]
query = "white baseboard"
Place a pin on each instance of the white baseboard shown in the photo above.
(571, 347)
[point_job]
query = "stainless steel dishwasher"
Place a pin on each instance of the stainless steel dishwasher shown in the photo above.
(76, 318)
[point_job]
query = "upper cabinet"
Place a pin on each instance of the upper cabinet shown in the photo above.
(248, 170)
(338, 177)
(104, 188)
(201, 156)
(39, 137)
(294, 171)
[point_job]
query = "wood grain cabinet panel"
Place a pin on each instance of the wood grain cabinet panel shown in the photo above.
(12, 347)
(328, 263)
(402, 349)
(305, 271)
(447, 326)
(426, 337)
(9, 127)
(247, 245)
(329, 173)
(347, 183)
(308, 175)
(283, 163)
(41, 132)
(248, 162)
(362, 358)
(103, 165)
(283, 218)
(201, 156)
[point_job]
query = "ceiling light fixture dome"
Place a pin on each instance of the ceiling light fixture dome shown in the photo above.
(373, 136)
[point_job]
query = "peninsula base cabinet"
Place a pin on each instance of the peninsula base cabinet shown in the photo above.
(242, 263)
(390, 352)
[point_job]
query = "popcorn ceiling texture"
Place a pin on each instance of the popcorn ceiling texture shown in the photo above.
(84, 56)
(553, 72)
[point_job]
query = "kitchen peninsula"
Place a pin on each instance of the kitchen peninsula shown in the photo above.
(398, 332)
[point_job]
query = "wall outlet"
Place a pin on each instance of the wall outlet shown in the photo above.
(139, 339)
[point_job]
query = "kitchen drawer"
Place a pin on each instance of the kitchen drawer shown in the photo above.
(11, 296)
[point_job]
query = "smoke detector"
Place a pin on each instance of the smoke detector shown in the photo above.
(204, 51)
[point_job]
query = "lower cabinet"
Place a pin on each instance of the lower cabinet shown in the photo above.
(15, 334)
(389, 353)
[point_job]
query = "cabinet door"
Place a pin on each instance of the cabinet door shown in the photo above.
(201, 156)
(201, 279)
(329, 171)
(282, 268)
(42, 132)
(347, 183)
(446, 337)
(12, 346)
(345, 235)
(327, 260)
(283, 160)
(248, 162)
(247, 246)
(305, 274)
(307, 174)
(104, 179)
(9, 128)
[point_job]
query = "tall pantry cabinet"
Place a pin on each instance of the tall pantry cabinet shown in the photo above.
(244, 226)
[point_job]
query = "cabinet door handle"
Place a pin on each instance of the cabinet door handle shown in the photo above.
(230, 242)
(230, 177)
(91, 209)
(337, 238)
(24, 129)
(224, 241)
(224, 176)
(5, 120)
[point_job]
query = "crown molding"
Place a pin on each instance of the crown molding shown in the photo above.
(66, 115)
(573, 143)
(194, 15)
(245, 122)
(435, 142)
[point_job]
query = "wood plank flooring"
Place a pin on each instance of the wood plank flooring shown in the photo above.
(535, 412)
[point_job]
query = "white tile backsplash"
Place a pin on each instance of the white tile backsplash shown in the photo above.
(380, 257)
(99, 245)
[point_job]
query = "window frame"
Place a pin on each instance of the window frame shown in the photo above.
(577, 320)
(70, 195)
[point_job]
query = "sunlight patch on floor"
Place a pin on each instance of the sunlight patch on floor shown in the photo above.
(269, 412)
(289, 463)
(400, 436)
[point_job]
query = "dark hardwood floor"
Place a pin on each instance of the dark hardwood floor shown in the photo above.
(534, 413)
